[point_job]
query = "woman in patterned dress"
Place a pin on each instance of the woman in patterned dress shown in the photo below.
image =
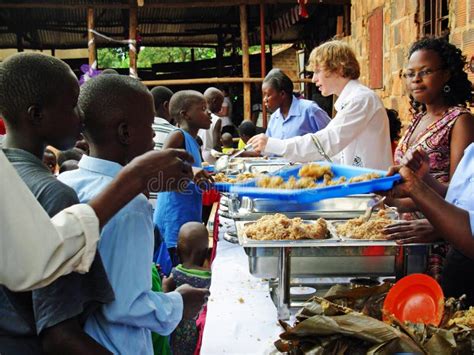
(442, 126)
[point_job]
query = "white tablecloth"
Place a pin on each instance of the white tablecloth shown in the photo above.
(241, 317)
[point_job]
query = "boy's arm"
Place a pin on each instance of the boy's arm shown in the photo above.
(174, 140)
(216, 134)
(140, 174)
(169, 284)
(125, 245)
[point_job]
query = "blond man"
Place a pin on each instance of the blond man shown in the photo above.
(359, 133)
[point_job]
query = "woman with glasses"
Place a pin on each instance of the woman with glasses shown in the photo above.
(442, 126)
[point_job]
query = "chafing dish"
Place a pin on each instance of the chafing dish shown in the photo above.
(245, 208)
(284, 260)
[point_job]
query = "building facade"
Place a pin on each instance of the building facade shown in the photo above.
(382, 32)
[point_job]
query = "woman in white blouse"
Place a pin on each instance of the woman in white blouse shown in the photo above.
(359, 133)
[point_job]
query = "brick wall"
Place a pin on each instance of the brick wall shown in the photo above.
(286, 61)
(400, 29)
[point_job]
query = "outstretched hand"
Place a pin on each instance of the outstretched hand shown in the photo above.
(165, 170)
(416, 231)
(418, 161)
(258, 142)
(202, 179)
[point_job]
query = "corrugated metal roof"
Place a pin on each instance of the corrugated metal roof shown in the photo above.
(45, 27)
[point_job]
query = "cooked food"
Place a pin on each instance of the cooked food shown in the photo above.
(309, 174)
(280, 227)
(465, 318)
(221, 177)
(315, 171)
(271, 182)
(365, 177)
(357, 228)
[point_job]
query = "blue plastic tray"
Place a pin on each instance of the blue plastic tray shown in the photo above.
(315, 194)
(226, 187)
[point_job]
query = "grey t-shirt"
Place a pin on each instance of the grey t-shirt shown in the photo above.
(23, 315)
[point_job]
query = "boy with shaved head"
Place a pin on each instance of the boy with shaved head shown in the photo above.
(119, 113)
(211, 137)
(163, 124)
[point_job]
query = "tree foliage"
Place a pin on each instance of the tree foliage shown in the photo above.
(118, 57)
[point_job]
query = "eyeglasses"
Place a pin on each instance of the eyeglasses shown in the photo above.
(422, 73)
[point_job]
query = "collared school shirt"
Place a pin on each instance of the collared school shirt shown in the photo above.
(358, 135)
(461, 187)
(207, 137)
(304, 116)
(162, 129)
(34, 249)
(124, 326)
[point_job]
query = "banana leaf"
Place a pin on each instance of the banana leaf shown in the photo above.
(324, 327)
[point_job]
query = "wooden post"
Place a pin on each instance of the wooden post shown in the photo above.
(245, 60)
(19, 42)
(132, 37)
(340, 26)
(263, 59)
(91, 38)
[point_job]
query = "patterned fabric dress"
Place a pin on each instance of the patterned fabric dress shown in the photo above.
(435, 141)
(185, 337)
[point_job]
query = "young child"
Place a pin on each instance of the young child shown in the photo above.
(38, 100)
(193, 247)
(119, 113)
(173, 209)
(211, 137)
(227, 143)
(247, 130)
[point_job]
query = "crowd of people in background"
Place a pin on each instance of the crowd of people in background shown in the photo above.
(68, 143)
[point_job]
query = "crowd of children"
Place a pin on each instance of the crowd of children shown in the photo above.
(112, 308)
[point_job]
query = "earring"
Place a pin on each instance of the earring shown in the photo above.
(446, 89)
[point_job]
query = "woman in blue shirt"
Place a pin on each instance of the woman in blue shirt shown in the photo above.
(291, 116)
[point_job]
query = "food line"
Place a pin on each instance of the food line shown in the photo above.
(329, 259)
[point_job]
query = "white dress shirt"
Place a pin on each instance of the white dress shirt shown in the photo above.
(358, 135)
(34, 249)
(207, 137)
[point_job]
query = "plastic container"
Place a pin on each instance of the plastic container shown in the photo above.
(384, 183)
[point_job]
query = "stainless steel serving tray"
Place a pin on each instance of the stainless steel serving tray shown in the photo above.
(332, 257)
(306, 243)
(245, 208)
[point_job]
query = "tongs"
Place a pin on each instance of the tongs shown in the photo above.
(371, 206)
(223, 162)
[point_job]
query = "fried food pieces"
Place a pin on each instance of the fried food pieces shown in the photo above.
(465, 318)
(315, 171)
(221, 177)
(365, 177)
(280, 227)
(357, 228)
